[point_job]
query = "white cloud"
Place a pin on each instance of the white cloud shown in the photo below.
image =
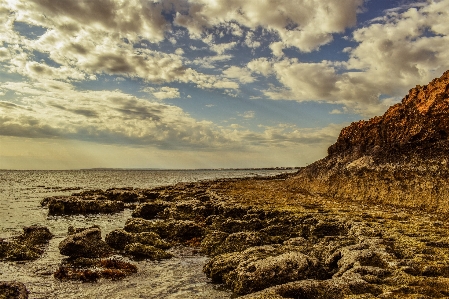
(392, 55)
(208, 62)
(261, 66)
(303, 24)
(250, 40)
(179, 51)
(221, 48)
(248, 114)
(240, 74)
(104, 117)
(276, 48)
(163, 92)
(336, 111)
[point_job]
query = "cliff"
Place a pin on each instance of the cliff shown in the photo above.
(400, 158)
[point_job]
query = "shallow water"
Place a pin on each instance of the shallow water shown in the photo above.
(20, 196)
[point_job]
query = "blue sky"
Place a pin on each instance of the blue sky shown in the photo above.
(204, 83)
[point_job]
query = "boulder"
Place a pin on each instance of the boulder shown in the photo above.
(138, 250)
(74, 205)
(118, 239)
(92, 269)
(150, 210)
(176, 230)
(260, 267)
(13, 290)
(87, 243)
(27, 246)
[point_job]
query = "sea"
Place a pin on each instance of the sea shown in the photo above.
(179, 277)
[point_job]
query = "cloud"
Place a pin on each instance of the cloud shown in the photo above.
(179, 51)
(248, 114)
(209, 62)
(403, 49)
(261, 66)
(250, 40)
(276, 48)
(136, 18)
(241, 74)
(163, 92)
(303, 24)
(110, 117)
(221, 48)
(113, 117)
(303, 81)
(81, 44)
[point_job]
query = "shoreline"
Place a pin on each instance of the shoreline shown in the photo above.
(263, 225)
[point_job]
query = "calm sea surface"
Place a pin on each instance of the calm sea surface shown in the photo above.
(20, 196)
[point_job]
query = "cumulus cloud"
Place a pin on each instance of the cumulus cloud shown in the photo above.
(393, 54)
(248, 114)
(136, 18)
(241, 74)
(303, 24)
(47, 110)
(163, 92)
(105, 117)
(221, 48)
(81, 43)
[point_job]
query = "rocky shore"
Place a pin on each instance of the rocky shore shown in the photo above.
(266, 241)
(367, 221)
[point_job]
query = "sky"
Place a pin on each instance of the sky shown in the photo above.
(204, 83)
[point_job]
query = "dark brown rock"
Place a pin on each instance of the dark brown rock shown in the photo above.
(87, 243)
(13, 290)
(118, 239)
(400, 158)
(141, 251)
(27, 246)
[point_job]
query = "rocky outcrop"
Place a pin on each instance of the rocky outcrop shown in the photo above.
(84, 243)
(88, 257)
(27, 246)
(400, 158)
(13, 290)
(92, 269)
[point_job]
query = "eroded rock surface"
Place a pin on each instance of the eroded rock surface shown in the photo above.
(400, 158)
(13, 290)
(84, 243)
(27, 246)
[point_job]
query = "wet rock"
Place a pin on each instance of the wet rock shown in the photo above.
(90, 270)
(139, 250)
(150, 210)
(74, 205)
(122, 195)
(150, 195)
(212, 241)
(87, 243)
(35, 235)
(338, 288)
(13, 290)
(189, 210)
(328, 228)
(371, 252)
(261, 267)
(230, 225)
(241, 241)
(27, 246)
(118, 239)
(229, 209)
(177, 230)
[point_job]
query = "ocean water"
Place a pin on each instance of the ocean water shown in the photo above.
(20, 196)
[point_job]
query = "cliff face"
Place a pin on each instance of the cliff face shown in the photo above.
(400, 158)
(421, 119)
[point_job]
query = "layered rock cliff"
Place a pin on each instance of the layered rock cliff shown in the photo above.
(400, 158)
